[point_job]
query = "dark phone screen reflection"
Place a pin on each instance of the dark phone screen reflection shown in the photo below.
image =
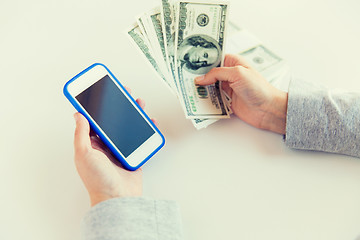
(115, 115)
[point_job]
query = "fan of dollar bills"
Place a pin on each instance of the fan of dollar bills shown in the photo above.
(183, 39)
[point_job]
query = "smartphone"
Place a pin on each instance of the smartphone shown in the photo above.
(114, 116)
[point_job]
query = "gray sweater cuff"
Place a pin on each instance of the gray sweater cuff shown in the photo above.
(133, 218)
(323, 120)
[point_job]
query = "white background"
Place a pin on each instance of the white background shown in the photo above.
(231, 180)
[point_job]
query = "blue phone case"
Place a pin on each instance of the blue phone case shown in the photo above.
(97, 130)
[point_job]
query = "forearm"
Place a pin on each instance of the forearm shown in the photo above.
(323, 120)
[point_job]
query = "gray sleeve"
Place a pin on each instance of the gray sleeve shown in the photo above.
(323, 120)
(133, 219)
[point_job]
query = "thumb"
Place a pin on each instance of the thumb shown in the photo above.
(82, 138)
(228, 74)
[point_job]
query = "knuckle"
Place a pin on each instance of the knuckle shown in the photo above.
(239, 70)
(212, 72)
(237, 74)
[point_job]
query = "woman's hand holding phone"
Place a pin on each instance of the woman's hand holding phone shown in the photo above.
(103, 175)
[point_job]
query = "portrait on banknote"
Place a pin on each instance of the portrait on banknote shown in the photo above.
(199, 53)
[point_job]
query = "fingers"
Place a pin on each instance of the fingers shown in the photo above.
(226, 87)
(227, 74)
(155, 122)
(233, 66)
(96, 143)
(128, 89)
(82, 138)
(141, 102)
(232, 60)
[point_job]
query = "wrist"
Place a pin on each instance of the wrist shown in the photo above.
(275, 113)
(101, 197)
(98, 198)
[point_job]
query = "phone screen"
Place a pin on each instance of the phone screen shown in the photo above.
(115, 115)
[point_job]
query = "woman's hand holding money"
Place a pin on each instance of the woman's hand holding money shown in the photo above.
(254, 99)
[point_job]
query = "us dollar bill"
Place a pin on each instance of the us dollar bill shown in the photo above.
(149, 36)
(152, 25)
(168, 19)
(259, 56)
(199, 47)
(203, 123)
(136, 36)
(141, 25)
(155, 20)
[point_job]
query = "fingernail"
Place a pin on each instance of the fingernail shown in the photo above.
(199, 79)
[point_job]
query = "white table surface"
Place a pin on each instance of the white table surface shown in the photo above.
(231, 180)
